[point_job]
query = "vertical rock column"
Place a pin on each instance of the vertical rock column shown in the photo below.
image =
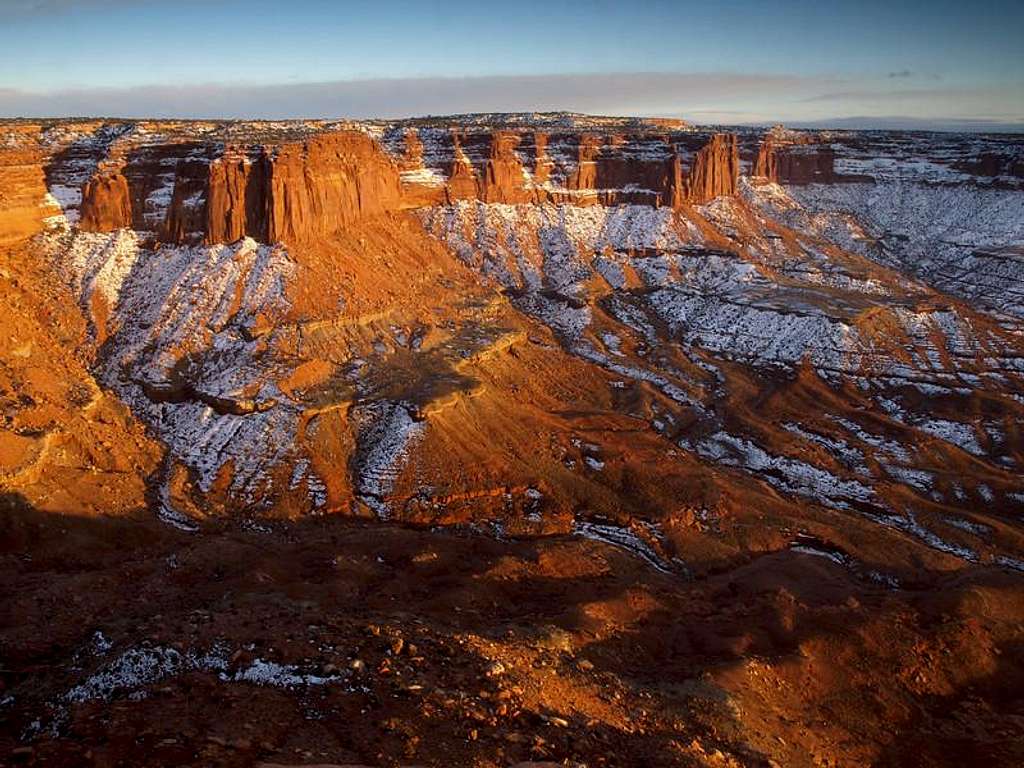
(716, 170)
(106, 202)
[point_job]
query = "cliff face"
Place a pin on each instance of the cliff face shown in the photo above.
(806, 166)
(236, 199)
(765, 165)
(327, 183)
(504, 175)
(23, 201)
(716, 170)
(287, 192)
(193, 192)
(579, 168)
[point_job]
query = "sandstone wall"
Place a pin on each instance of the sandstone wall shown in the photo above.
(293, 191)
(23, 202)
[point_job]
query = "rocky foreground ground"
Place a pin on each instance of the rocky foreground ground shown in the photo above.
(131, 643)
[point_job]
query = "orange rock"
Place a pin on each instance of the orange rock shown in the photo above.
(503, 176)
(22, 195)
(106, 203)
(765, 164)
(716, 170)
(324, 184)
(462, 177)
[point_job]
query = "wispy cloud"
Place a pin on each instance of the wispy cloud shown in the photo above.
(29, 8)
(704, 97)
(626, 93)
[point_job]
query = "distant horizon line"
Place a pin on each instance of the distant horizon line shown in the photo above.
(895, 123)
(703, 98)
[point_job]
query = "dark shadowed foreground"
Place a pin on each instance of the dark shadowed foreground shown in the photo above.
(125, 642)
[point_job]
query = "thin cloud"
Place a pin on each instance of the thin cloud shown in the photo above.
(624, 93)
(30, 8)
(701, 97)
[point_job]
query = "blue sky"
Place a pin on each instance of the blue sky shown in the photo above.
(726, 61)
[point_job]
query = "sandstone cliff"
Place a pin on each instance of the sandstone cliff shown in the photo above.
(716, 170)
(327, 183)
(191, 192)
(236, 198)
(504, 175)
(23, 201)
(290, 191)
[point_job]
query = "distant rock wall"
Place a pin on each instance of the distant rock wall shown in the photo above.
(291, 191)
(580, 168)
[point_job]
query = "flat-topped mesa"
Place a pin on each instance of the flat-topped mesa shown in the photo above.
(837, 157)
(283, 192)
(328, 183)
(788, 157)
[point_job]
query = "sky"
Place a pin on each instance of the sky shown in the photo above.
(871, 63)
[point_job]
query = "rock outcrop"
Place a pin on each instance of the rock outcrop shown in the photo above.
(185, 191)
(23, 201)
(806, 165)
(463, 181)
(287, 192)
(504, 175)
(327, 183)
(716, 170)
(765, 165)
(236, 198)
(106, 203)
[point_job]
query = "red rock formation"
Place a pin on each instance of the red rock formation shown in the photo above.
(303, 189)
(236, 199)
(462, 178)
(542, 164)
(585, 175)
(328, 182)
(106, 202)
(289, 192)
(800, 165)
(715, 171)
(413, 157)
(22, 196)
(324, 184)
(503, 180)
(765, 164)
(186, 217)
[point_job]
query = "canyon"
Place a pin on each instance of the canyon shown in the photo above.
(659, 444)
